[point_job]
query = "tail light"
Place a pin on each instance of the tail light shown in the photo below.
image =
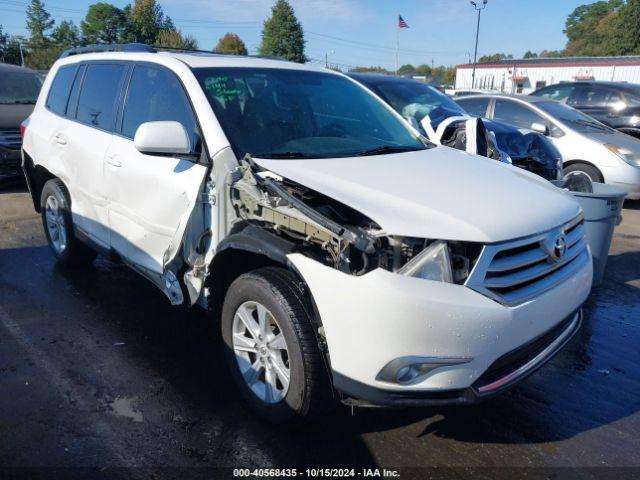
(23, 129)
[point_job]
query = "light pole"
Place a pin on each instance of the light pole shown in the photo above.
(479, 9)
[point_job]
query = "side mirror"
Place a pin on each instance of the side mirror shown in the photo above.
(162, 138)
(540, 128)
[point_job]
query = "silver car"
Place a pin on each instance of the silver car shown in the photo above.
(586, 145)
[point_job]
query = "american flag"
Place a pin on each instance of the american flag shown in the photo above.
(402, 23)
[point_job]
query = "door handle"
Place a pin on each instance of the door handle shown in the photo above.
(60, 140)
(111, 160)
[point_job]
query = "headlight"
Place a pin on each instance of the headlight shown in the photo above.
(433, 263)
(625, 154)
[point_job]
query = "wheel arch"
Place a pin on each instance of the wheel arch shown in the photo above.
(36, 176)
(586, 162)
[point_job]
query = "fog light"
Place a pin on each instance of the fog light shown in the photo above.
(406, 370)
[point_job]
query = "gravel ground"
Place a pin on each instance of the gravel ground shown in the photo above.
(97, 370)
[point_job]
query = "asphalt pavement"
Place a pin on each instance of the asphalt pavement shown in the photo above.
(97, 370)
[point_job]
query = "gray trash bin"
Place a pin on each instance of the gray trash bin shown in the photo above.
(602, 212)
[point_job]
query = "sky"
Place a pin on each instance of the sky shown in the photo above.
(358, 32)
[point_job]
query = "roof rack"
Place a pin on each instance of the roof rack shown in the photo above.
(125, 47)
(143, 47)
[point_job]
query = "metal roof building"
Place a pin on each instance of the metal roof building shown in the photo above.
(527, 75)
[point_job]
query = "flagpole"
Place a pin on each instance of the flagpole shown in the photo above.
(397, 44)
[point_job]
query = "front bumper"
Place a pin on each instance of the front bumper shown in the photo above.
(373, 319)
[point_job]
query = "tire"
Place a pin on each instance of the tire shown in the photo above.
(589, 170)
(309, 391)
(58, 226)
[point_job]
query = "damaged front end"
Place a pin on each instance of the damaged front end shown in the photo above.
(337, 235)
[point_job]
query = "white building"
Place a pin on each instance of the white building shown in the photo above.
(525, 76)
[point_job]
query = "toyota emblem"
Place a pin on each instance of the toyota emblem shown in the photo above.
(559, 247)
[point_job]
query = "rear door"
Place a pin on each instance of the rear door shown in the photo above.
(92, 104)
(476, 107)
(150, 196)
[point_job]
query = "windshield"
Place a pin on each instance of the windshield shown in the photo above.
(18, 88)
(575, 118)
(276, 113)
(414, 99)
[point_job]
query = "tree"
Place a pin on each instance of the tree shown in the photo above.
(593, 30)
(552, 54)
(147, 20)
(282, 35)
(10, 48)
(627, 28)
(66, 34)
(103, 23)
(496, 57)
(173, 38)
(39, 21)
(370, 70)
(231, 43)
(530, 54)
(407, 69)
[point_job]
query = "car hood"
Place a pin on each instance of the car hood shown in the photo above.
(619, 139)
(439, 193)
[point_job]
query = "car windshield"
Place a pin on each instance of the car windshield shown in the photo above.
(17, 88)
(279, 113)
(575, 118)
(415, 99)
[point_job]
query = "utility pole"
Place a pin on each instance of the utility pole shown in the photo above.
(479, 9)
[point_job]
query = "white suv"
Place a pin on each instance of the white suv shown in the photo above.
(343, 256)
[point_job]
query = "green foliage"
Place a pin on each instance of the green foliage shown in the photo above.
(146, 19)
(10, 48)
(173, 38)
(594, 29)
(43, 58)
(39, 21)
(282, 35)
(530, 54)
(231, 43)
(370, 70)
(496, 57)
(66, 34)
(407, 69)
(103, 23)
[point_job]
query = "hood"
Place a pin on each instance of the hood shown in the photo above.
(619, 139)
(440, 193)
(11, 116)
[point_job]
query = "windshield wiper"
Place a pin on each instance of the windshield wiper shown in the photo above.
(387, 149)
(589, 123)
(284, 155)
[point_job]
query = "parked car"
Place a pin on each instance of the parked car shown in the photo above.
(19, 88)
(414, 100)
(616, 104)
(588, 147)
(341, 255)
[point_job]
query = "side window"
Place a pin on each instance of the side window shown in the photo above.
(156, 94)
(96, 105)
(516, 114)
(59, 91)
(559, 93)
(590, 96)
(475, 106)
(72, 105)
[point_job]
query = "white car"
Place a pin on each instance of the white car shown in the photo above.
(587, 146)
(342, 256)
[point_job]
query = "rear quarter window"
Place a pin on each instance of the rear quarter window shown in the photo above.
(60, 87)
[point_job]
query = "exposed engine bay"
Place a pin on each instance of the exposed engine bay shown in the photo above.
(327, 230)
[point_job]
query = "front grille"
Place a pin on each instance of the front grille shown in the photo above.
(10, 138)
(516, 271)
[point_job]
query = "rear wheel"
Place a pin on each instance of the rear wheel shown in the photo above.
(271, 347)
(583, 169)
(58, 226)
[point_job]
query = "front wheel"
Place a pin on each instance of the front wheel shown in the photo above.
(271, 347)
(583, 169)
(58, 226)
